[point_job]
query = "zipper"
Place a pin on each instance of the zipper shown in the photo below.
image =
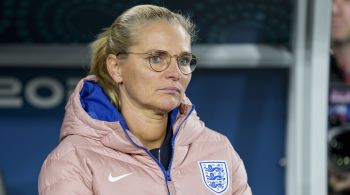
(173, 143)
(166, 173)
(149, 154)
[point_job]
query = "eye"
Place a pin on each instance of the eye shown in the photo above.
(158, 57)
(155, 59)
(184, 60)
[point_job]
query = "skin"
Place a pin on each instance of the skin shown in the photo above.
(341, 33)
(147, 96)
(341, 20)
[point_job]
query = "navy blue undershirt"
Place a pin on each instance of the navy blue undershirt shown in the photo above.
(163, 154)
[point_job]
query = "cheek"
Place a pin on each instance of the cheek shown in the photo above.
(131, 79)
(185, 82)
(143, 83)
(140, 84)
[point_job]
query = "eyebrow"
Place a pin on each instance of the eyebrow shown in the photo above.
(163, 51)
(157, 51)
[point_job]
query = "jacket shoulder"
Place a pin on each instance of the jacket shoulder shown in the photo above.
(69, 145)
(209, 135)
(64, 170)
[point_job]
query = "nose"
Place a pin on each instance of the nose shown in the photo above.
(173, 70)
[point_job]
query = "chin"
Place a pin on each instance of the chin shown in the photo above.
(168, 106)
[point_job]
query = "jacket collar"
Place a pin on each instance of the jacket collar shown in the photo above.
(96, 118)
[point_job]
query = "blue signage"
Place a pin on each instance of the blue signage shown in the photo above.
(36, 90)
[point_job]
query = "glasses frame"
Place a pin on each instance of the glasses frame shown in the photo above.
(168, 62)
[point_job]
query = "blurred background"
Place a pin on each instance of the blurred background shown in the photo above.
(262, 80)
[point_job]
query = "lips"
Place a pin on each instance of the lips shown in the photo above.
(171, 89)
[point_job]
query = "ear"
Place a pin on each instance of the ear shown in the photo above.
(114, 68)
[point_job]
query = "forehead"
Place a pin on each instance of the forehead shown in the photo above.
(162, 35)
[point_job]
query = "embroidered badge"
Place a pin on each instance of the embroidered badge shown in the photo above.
(215, 175)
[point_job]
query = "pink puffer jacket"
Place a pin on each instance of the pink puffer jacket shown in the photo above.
(102, 158)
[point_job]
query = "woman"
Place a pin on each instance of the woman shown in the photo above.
(129, 128)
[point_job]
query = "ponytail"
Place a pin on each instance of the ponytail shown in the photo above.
(98, 66)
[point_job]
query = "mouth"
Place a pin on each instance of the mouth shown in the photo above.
(171, 90)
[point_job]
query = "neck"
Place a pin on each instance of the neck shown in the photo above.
(149, 127)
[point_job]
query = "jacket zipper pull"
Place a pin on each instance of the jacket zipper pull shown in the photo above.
(167, 173)
(159, 156)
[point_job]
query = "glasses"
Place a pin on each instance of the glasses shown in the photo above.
(160, 60)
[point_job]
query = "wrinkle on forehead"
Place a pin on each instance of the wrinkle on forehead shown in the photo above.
(162, 35)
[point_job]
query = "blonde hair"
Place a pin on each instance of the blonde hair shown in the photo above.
(119, 37)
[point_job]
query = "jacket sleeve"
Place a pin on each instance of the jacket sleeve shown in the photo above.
(239, 178)
(63, 175)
